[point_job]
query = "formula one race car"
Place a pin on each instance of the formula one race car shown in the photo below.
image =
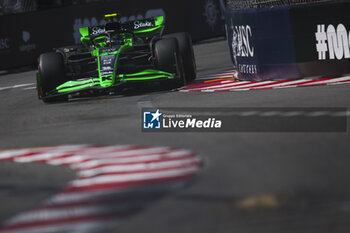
(116, 54)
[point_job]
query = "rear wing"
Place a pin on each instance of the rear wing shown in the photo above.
(149, 26)
(142, 27)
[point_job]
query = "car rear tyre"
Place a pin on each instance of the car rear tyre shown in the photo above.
(186, 49)
(51, 72)
(169, 60)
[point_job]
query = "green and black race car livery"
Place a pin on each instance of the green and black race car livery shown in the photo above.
(115, 54)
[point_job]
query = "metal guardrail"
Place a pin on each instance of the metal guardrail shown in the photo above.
(247, 4)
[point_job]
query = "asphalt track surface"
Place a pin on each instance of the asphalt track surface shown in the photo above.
(251, 182)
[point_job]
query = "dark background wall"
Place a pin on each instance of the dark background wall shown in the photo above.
(26, 35)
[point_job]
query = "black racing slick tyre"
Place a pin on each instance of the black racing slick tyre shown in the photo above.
(168, 58)
(186, 49)
(52, 74)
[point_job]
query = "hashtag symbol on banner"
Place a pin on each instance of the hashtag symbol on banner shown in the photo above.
(321, 38)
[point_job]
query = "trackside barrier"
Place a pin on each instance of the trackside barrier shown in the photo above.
(290, 42)
(26, 35)
(261, 43)
(321, 38)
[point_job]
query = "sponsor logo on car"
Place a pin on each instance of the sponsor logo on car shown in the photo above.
(97, 30)
(142, 24)
(107, 64)
(107, 50)
(332, 42)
